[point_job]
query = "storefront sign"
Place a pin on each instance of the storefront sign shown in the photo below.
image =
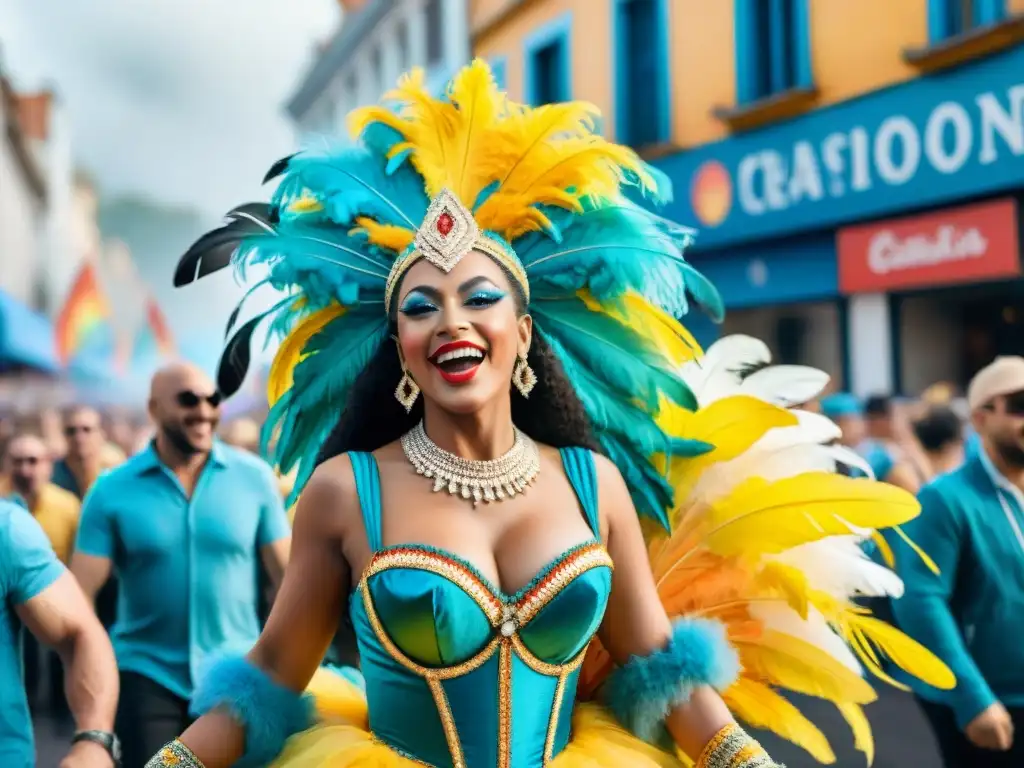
(929, 141)
(973, 243)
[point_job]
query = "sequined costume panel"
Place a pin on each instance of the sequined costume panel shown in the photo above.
(458, 673)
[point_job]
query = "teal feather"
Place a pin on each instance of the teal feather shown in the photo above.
(613, 351)
(355, 182)
(322, 382)
(609, 249)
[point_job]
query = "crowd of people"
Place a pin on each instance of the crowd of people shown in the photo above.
(212, 531)
(220, 535)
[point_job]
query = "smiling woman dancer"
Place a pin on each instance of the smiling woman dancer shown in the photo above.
(491, 317)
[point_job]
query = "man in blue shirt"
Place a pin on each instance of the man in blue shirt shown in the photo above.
(185, 523)
(38, 593)
(972, 613)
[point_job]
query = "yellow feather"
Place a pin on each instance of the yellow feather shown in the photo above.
(290, 352)
(475, 137)
(761, 707)
(884, 549)
(770, 517)
(796, 665)
(388, 236)
(863, 739)
(928, 562)
(788, 582)
(480, 105)
(663, 331)
(905, 652)
(732, 425)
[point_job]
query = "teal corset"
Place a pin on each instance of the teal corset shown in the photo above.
(457, 672)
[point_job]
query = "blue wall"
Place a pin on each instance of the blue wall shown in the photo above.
(792, 270)
(930, 141)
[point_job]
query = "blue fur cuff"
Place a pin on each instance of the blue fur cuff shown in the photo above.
(643, 691)
(270, 712)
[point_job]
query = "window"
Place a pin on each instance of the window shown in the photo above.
(772, 47)
(498, 70)
(949, 18)
(641, 60)
(402, 45)
(547, 75)
(435, 31)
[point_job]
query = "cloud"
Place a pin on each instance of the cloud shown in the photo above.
(181, 100)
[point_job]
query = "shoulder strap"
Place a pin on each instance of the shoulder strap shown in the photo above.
(364, 467)
(579, 466)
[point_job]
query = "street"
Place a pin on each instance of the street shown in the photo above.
(902, 737)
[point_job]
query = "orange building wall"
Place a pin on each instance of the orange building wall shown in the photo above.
(590, 44)
(857, 47)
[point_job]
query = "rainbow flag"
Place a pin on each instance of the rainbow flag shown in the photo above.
(154, 340)
(84, 322)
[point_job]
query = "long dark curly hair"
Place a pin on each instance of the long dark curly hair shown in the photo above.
(553, 415)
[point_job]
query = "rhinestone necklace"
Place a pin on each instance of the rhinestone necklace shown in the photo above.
(494, 480)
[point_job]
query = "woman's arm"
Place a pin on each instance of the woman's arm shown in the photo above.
(305, 615)
(635, 623)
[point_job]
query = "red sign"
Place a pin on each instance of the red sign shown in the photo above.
(971, 244)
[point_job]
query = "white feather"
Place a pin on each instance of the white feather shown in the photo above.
(719, 480)
(838, 566)
(843, 455)
(785, 385)
(815, 630)
(717, 374)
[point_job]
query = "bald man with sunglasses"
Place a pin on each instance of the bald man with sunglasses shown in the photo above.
(186, 524)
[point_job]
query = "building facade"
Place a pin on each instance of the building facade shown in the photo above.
(376, 42)
(855, 169)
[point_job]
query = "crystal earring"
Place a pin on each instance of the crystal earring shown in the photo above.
(523, 377)
(407, 391)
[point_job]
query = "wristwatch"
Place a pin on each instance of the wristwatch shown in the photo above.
(105, 739)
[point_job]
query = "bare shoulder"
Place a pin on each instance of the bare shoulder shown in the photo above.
(329, 504)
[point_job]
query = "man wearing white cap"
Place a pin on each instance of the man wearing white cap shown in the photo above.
(972, 612)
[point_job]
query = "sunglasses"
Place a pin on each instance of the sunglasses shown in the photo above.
(72, 430)
(190, 399)
(1014, 404)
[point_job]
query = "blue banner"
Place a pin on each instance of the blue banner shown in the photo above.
(929, 141)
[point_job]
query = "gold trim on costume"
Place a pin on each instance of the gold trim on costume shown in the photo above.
(732, 747)
(175, 755)
(586, 559)
(507, 618)
(442, 566)
(505, 704)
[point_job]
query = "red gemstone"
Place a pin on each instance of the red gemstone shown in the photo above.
(445, 223)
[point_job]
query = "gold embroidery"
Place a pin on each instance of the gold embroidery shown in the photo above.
(507, 642)
(732, 747)
(442, 566)
(451, 733)
(432, 676)
(533, 601)
(174, 755)
(505, 704)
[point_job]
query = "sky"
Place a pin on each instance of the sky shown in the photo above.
(179, 100)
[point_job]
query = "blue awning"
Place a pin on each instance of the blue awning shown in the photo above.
(26, 337)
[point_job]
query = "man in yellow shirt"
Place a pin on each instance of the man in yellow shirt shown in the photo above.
(28, 469)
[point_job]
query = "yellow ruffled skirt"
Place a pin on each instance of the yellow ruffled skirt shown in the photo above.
(343, 741)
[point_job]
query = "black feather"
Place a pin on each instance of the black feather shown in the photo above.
(278, 168)
(232, 319)
(213, 251)
(235, 360)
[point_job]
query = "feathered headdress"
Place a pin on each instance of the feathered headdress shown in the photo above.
(534, 188)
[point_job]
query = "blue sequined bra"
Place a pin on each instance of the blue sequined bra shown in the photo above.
(457, 672)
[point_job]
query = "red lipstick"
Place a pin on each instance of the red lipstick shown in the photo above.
(461, 376)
